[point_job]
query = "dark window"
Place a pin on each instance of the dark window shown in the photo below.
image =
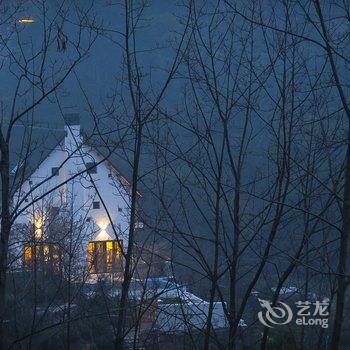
(88, 219)
(30, 182)
(43, 256)
(91, 168)
(120, 209)
(95, 205)
(53, 212)
(105, 256)
(109, 175)
(55, 171)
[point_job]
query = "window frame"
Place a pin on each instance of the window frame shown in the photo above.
(96, 205)
(91, 167)
(102, 259)
(55, 171)
(43, 256)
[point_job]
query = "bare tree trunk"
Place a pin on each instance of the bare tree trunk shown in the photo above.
(5, 232)
(345, 232)
(128, 256)
(214, 275)
(343, 256)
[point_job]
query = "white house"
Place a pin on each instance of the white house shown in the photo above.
(75, 182)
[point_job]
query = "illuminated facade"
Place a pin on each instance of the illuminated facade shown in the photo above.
(46, 257)
(76, 183)
(105, 256)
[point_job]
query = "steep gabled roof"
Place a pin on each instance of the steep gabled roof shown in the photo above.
(27, 156)
(28, 149)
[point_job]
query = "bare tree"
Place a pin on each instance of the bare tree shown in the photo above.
(35, 77)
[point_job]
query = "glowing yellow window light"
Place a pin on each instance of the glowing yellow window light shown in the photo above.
(42, 256)
(104, 256)
(91, 247)
(38, 226)
(28, 254)
(109, 249)
(109, 255)
(26, 20)
(46, 252)
(118, 249)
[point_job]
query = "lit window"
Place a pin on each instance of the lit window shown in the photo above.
(42, 256)
(28, 255)
(91, 168)
(26, 20)
(109, 255)
(105, 256)
(55, 171)
(38, 224)
(95, 205)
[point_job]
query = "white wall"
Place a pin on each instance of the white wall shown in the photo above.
(79, 193)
